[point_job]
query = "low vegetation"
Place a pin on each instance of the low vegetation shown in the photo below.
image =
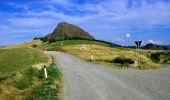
(48, 89)
(22, 75)
(160, 57)
(60, 44)
(124, 62)
(33, 43)
(107, 55)
(12, 60)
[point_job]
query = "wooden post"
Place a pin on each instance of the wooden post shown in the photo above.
(45, 71)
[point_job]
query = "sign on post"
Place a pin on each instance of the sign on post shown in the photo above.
(138, 44)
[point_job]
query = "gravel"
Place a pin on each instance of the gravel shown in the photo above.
(88, 81)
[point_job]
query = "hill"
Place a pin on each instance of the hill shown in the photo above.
(167, 46)
(19, 58)
(155, 47)
(58, 44)
(22, 75)
(66, 31)
(25, 44)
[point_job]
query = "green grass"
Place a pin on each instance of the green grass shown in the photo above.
(30, 84)
(12, 60)
(22, 77)
(165, 57)
(63, 43)
(49, 88)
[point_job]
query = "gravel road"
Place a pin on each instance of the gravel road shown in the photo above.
(87, 81)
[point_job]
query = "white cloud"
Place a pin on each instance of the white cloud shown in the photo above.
(128, 35)
(154, 42)
(16, 5)
(106, 18)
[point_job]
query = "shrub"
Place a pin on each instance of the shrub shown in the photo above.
(155, 57)
(122, 60)
(45, 93)
(24, 83)
(49, 89)
(34, 45)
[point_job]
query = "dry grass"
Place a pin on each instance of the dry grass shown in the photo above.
(106, 54)
(14, 64)
(26, 44)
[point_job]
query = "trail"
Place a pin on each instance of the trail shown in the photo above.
(87, 81)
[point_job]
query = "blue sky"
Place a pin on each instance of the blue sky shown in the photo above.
(118, 21)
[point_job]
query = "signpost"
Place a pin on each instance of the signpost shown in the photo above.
(138, 44)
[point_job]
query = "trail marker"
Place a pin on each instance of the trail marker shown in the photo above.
(45, 71)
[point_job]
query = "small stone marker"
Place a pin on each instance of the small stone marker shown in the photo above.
(83, 46)
(45, 71)
(136, 63)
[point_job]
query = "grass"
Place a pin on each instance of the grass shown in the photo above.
(12, 60)
(25, 44)
(50, 88)
(163, 56)
(21, 79)
(59, 44)
(106, 55)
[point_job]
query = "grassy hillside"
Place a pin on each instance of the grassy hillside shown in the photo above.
(59, 44)
(22, 75)
(19, 58)
(106, 55)
(26, 44)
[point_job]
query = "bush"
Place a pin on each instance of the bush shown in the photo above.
(24, 83)
(155, 57)
(122, 60)
(34, 45)
(41, 74)
(45, 93)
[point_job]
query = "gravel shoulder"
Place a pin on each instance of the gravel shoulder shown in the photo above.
(87, 81)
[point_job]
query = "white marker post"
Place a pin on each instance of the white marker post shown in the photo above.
(92, 57)
(45, 71)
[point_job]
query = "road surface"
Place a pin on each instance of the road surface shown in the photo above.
(87, 81)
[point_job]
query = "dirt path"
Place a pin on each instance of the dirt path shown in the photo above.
(87, 81)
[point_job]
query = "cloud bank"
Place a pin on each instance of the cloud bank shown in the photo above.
(108, 20)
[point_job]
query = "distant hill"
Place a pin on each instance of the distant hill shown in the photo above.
(67, 31)
(167, 46)
(155, 47)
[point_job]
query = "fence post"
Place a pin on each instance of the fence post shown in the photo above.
(45, 71)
